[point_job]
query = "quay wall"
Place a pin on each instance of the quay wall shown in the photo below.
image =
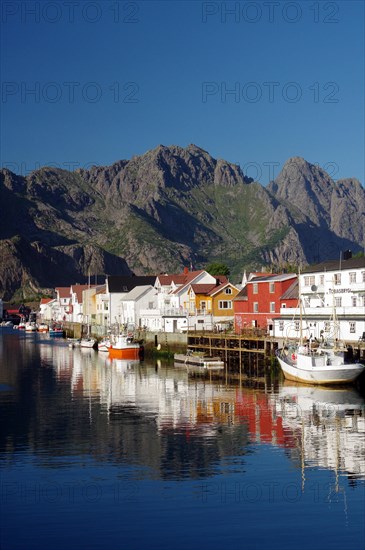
(227, 345)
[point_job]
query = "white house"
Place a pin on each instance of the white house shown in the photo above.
(49, 309)
(62, 310)
(335, 286)
(102, 302)
(135, 302)
(170, 314)
(117, 287)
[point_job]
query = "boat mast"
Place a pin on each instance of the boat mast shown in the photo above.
(300, 312)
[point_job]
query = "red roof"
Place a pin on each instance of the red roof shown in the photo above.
(46, 300)
(166, 280)
(179, 278)
(203, 288)
(63, 291)
(77, 289)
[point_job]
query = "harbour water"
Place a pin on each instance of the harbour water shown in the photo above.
(102, 454)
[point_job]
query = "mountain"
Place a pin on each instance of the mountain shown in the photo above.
(166, 209)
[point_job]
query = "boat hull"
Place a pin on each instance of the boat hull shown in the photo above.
(130, 352)
(326, 374)
(89, 343)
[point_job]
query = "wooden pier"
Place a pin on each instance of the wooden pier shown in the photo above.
(225, 344)
(243, 348)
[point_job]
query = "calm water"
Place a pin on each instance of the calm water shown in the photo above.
(100, 454)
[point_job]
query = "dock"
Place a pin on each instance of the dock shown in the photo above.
(252, 347)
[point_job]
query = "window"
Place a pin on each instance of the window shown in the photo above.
(255, 307)
(281, 326)
(338, 301)
(352, 327)
(255, 288)
(337, 277)
(203, 305)
(225, 304)
(228, 291)
(271, 288)
(272, 307)
(352, 277)
(327, 326)
(283, 306)
(321, 279)
(296, 325)
(309, 280)
(354, 301)
(363, 276)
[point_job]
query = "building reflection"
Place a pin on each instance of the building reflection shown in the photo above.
(160, 418)
(320, 427)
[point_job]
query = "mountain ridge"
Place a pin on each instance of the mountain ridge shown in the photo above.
(171, 207)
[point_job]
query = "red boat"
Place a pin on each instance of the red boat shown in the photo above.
(124, 347)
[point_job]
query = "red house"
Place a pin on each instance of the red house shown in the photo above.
(259, 302)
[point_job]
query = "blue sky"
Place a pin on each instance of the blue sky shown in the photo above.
(252, 82)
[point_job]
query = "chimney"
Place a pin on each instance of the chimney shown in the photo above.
(186, 270)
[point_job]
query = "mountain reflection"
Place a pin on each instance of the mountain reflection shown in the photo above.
(72, 405)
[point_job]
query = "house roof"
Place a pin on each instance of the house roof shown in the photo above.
(209, 289)
(166, 280)
(126, 283)
(100, 289)
(179, 278)
(137, 292)
(258, 274)
(242, 295)
(46, 300)
(203, 288)
(78, 289)
(272, 277)
(219, 288)
(63, 291)
(219, 280)
(336, 265)
(292, 293)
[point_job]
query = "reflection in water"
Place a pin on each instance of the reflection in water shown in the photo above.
(118, 410)
(329, 425)
(119, 454)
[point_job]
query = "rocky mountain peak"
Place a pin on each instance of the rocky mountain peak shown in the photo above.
(166, 208)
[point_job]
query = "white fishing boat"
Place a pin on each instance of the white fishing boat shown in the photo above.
(88, 342)
(319, 362)
(199, 360)
(318, 366)
(30, 327)
(104, 345)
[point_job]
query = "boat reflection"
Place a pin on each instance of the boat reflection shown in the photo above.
(318, 427)
(329, 426)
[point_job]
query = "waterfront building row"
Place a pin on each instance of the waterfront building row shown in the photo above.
(196, 300)
(331, 294)
(169, 302)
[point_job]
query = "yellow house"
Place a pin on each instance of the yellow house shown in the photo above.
(212, 299)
